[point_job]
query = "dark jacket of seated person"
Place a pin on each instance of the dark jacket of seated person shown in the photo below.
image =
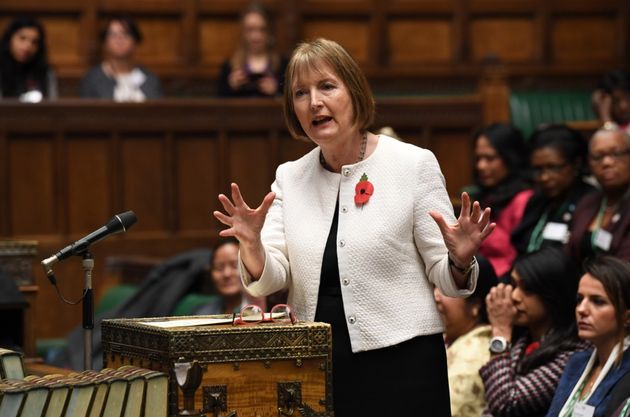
(557, 163)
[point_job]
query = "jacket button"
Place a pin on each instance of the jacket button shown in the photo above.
(346, 172)
(344, 209)
(342, 243)
(345, 281)
(352, 319)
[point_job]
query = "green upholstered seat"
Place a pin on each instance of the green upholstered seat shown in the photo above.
(529, 109)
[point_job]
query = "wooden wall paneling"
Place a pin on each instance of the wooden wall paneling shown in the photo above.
(420, 41)
(32, 189)
(169, 164)
(63, 33)
(219, 37)
(377, 37)
(508, 39)
(460, 42)
(15, 7)
(454, 153)
(287, 26)
(5, 206)
(87, 183)
(197, 183)
(154, 7)
(623, 18)
(162, 40)
(144, 180)
(190, 29)
(89, 42)
(292, 149)
(351, 33)
(583, 39)
(62, 163)
(250, 164)
(542, 29)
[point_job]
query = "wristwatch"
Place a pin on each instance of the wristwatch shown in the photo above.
(498, 344)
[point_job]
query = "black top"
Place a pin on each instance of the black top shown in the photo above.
(250, 89)
(329, 281)
(541, 207)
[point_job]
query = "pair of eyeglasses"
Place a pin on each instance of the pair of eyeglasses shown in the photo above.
(548, 169)
(616, 155)
(253, 314)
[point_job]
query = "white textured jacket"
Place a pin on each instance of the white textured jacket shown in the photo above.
(389, 250)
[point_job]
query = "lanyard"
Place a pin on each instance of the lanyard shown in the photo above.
(536, 238)
(598, 222)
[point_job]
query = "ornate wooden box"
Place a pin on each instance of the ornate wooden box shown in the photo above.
(262, 370)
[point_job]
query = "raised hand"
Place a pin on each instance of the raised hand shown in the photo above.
(464, 237)
(244, 223)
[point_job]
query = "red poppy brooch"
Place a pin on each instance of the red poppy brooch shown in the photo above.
(363, 190)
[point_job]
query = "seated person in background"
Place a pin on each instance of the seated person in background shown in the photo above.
(521, 377)
(118, 77)
(557, 160)
(601, 223)
(255, 69)
(227, 281)
(611, 99)
(467, 337)
(500, 177)
(603, 316)
(24, 70)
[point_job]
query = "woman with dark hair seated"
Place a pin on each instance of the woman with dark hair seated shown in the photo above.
(557, 160)
(521, 377)
(24, 69)
(592, 379)
(501, 180)
(118, 77)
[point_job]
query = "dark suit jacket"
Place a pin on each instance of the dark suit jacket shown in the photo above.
(585, 212)
(601, 398)
(157, 296)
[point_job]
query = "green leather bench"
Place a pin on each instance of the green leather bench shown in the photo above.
(529, 109)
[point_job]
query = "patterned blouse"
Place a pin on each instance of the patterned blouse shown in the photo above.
(465, 356)
(511, 394)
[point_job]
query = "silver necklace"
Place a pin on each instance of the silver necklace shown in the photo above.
(323, 162)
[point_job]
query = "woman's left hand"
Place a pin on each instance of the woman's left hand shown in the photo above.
(464, 237)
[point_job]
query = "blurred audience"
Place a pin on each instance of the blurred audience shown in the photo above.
(589, 384)
(533, 334)
(118, 77)
(255, 69)
(24, 70)
(226, 281)
(611, 99)
(601, 223)
(500, 176)
(557, 160)
(467, 337)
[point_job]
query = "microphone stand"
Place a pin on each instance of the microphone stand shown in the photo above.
(88, 309)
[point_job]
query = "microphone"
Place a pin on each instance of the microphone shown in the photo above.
(119, 223)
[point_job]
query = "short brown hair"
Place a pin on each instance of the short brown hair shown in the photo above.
(310, 55)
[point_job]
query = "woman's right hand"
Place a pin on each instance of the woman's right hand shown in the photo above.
(501, 310)
(237, 79)
(245, 224)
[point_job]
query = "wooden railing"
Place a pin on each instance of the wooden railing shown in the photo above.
(66, 167)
